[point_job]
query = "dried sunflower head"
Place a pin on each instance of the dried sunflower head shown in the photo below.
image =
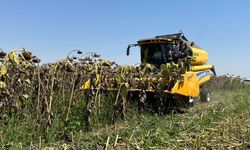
(96, 55)
(35, 59)
(69, 67)
(2, 53)
(106, 63)
(27, 55)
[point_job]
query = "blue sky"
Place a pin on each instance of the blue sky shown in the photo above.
(50, 29)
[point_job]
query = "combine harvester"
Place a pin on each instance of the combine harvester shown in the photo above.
(172, 49)
(173, 71)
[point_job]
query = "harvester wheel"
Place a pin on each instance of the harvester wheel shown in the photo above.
(205, 95)
(190, 102)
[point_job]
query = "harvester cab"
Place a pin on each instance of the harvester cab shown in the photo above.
(163, 49)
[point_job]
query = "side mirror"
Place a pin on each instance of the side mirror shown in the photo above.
(129, 46)
(128, 49)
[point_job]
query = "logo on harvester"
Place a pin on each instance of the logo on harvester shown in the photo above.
(196, 54)
(203, 74)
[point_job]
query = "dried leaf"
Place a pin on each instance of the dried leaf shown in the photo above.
(13, 57)
(3, 70)
(2, 85)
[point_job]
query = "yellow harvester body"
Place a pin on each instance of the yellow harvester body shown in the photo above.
(199, 71)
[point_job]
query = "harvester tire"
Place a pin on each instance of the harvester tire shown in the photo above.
(190, 102)
(205, 95)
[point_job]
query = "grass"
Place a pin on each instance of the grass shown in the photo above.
(222, 123)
